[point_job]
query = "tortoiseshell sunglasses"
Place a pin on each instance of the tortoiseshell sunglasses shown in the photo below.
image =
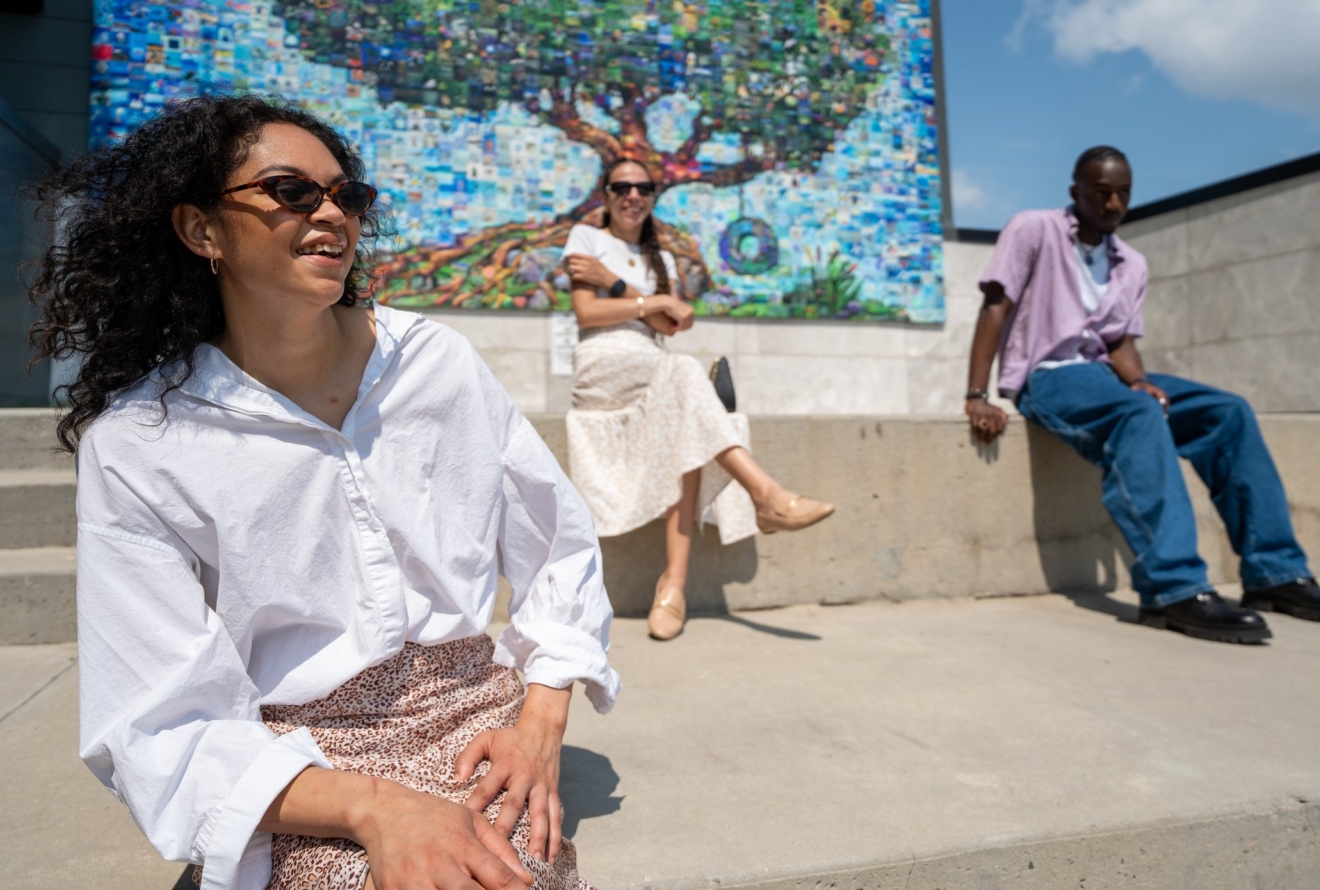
(303, 195)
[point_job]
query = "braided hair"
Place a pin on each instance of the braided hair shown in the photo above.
(650, 237)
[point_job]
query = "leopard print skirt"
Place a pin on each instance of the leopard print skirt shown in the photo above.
(407, 720)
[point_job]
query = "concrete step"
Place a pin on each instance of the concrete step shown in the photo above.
(37, 595)
(1026, 743)
(37, 508)
(27, 440)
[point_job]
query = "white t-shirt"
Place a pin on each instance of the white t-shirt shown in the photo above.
(623, 259)
(1092, 277)
(1092, 282)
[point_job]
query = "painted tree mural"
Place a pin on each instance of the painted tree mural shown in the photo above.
(785, 76)
(795, 141)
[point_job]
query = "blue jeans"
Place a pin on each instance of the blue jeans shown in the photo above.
(1126, 434)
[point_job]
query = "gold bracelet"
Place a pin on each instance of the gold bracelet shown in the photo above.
(641, 307)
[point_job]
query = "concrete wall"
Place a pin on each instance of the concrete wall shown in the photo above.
(1234, 296)
(45, 70)
(779, 367)
(1234, 301)
(925, 513)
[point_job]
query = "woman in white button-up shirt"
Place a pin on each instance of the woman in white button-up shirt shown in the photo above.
(292, 508)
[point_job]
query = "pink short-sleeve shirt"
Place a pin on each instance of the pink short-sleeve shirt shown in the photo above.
(1035, 262)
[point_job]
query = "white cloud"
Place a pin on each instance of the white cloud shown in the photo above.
(1267, 51)
(969, 195)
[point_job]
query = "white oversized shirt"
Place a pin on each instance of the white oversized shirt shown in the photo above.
(242, 552)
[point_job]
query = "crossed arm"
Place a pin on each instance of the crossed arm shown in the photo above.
(665, 313)
(417, 841)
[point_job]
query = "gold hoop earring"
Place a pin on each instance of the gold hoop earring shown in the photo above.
(215, 266)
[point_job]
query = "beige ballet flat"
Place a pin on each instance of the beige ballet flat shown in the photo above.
(791, 512)
(668, 613)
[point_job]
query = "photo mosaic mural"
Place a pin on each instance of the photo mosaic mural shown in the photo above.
(794, 141)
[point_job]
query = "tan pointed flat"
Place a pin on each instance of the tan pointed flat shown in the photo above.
(791, 512)
(668, 613)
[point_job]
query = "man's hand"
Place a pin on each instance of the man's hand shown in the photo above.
(1151, 389)
(524, 763)
(588, 270)
(987, 420)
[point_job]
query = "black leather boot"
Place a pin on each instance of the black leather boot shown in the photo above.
(1207, 617)
(1300, 598)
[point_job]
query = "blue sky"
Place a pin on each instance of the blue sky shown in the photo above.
(1194, 91)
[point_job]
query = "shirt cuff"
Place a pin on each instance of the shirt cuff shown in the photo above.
(236, 855)
(555, 655)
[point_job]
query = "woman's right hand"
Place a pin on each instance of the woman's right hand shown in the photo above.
(661, 323)
(678, 312)
(417, 841)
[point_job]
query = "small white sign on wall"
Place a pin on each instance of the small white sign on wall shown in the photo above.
(563, 338)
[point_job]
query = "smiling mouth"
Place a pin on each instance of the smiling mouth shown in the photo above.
(330, 250)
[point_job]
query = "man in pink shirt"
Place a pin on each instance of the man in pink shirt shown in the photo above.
(1062, 308)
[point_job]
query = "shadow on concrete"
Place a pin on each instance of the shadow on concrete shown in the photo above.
(783, 632)
(634, 561)
(988, 454)
(586, 786)
(185, 881)
(1105, 605)
(1079, 547)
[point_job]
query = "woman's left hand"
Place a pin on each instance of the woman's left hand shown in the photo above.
(588, 270)
(524, 763)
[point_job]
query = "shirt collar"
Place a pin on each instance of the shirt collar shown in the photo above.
(1113, 247)
(218, 380)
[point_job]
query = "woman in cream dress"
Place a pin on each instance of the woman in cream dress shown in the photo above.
(647, 436)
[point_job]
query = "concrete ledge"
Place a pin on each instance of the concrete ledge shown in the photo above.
(1274, 847)
(27, 440)
(37, 508)
(924, 512)
(37, 596)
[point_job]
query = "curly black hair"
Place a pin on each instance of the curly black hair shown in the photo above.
(649, 239)
(119, 287)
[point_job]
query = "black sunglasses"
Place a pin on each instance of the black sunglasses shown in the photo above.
(303, 195)
(645, 189)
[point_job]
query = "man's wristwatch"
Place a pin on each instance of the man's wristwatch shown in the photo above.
(974, 393)
(618, 287)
